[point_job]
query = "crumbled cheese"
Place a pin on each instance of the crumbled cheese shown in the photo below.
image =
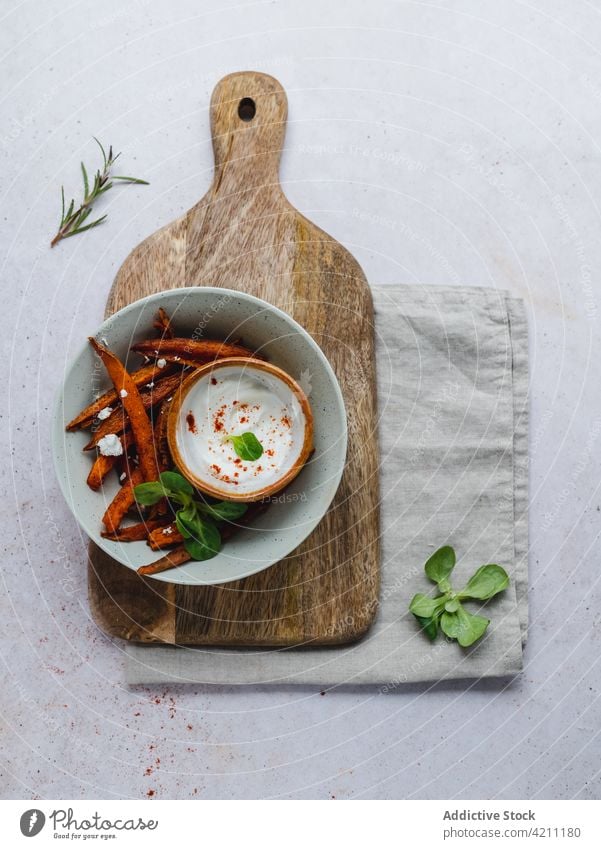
(150, 385)
(123, 393)
(170, 398)
(104, 341)
(105, 413)
(167, 531)
(161, 363)
(110, 445)
(177, 359)
(122, 476)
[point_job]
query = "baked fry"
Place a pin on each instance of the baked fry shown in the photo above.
(134, 407)
(164, 537)
(122, 502)
(177, 360)
(117, 422)
(141, 376)
(133, 533)
(174, 558)
(163, 323)
(195, 350)
(100, 468)
(102, 465)
(164, 459)
(140, 403)
(162, 455)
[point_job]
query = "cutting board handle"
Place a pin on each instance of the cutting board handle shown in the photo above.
(248, 124)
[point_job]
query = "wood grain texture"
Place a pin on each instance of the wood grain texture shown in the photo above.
(245, 235)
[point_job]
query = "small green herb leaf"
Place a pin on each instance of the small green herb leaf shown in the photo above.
(102, 149)
(206, 542)
(429, 625)
(427, 611)
(131, 180)
(440, 565)
(87, 227)
(486, 582)
(246, 446)
(86, 185)
(185, 521)
(425, 606)
(224, 511)
(197, 550)
(149, 493)
(176, 483)
(463, 626)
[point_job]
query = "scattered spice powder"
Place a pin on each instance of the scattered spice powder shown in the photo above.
(191, 422)
(218, 418)
(225, 477)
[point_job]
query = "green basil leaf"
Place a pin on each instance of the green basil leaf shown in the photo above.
(206, 543)
(224, 511)
(176, 483)
(149, 493)
(426, 606)
(486, 582)
(463, 626)
(429, 625)
(246, 446)
(440, 565)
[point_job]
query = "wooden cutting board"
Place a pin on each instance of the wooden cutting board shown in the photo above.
(245, 235)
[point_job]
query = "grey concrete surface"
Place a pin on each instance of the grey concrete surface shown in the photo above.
(456, 143)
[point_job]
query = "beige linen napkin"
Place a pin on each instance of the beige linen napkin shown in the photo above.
(453, 418)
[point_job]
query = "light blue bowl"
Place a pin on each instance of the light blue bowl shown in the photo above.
(219, 314)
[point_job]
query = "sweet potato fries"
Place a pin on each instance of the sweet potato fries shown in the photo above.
(128, 435)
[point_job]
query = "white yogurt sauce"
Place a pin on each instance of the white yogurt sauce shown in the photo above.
(230, 401)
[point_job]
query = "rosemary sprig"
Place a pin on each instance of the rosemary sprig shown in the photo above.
(72, 219)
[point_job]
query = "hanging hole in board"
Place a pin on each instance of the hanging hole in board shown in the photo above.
(246, 109)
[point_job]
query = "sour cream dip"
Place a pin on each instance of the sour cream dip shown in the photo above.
(232, 397)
